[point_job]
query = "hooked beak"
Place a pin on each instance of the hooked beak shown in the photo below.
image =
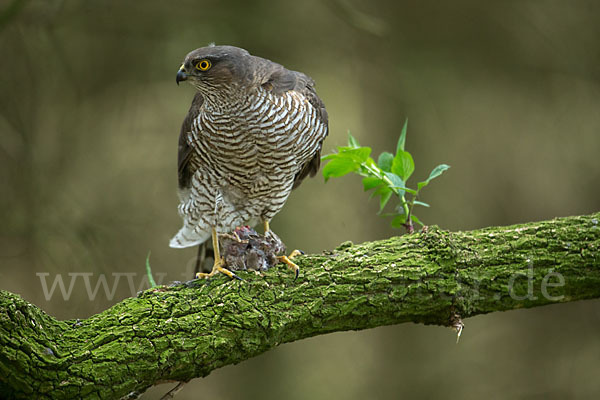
(181, 75)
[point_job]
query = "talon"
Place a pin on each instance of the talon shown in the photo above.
(295, 253)
(216, 269)
(236, 277)
(291, 265)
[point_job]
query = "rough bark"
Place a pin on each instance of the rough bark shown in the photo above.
(184, 331)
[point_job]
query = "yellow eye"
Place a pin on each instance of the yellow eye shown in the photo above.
(203, 65)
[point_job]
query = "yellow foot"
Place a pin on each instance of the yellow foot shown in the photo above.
(291, 265)
(216, 269)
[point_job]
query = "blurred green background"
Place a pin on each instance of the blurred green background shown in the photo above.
(506, 92)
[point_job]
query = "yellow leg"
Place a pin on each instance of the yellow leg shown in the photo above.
(219, 261)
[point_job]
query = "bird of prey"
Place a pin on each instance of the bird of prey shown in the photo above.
(254, 131)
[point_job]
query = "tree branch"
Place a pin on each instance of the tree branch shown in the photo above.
(184, 331)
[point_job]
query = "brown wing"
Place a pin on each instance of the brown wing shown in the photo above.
(185, 153)
(280, 80)
(312, 167)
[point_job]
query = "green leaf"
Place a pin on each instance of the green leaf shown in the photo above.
(420, 203)
(329, 156)
(398, 221)
(402, 138)
(352, 142)
(380, 191)
(437, 171)
(339, 166)
(417, 220)
(385, 197)
(371, 182)
(397, 182)
(403, 165)
(385, 193)
(399, 209)
(346, 161)
(360, 154)
(149, 272)
(385, 161)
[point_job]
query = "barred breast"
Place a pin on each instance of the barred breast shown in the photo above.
(245, 160)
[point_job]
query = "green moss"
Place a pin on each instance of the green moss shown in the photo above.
(181, 332)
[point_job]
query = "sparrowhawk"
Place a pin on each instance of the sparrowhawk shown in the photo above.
(254, 131)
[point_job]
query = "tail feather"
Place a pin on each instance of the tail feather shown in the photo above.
(187, 237)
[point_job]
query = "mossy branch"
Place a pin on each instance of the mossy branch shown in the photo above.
(184, 331)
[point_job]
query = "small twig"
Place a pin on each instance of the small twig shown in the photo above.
(408, 225)
(171, 393)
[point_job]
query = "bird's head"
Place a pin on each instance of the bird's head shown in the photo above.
(214, 68)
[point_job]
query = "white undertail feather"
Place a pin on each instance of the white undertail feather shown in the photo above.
(186, 237)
